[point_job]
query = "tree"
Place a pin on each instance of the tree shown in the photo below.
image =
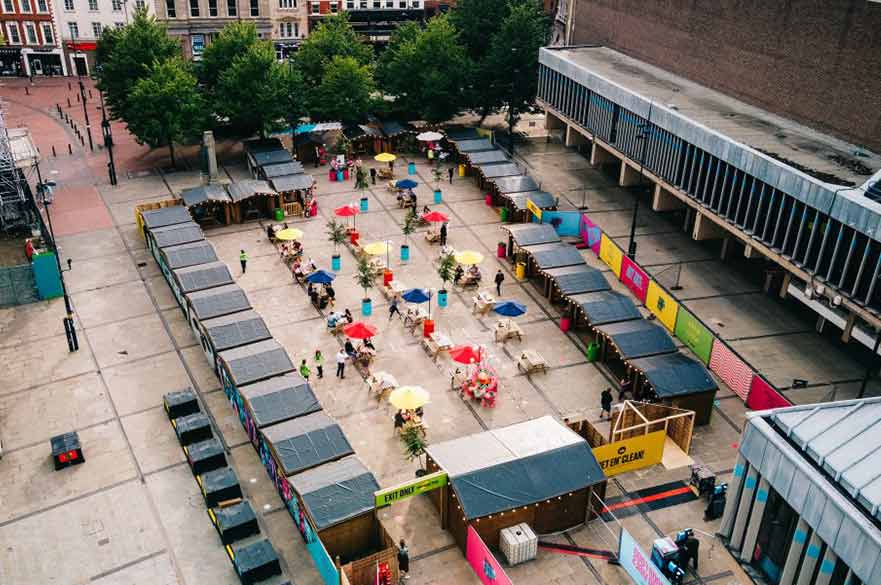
(294, 100)
(364, 275)
(165, 106)
(401, 37)
(127, 55)
(409, 225)
(446, 269)
(234, 39)
(333, 37)
(344, 92)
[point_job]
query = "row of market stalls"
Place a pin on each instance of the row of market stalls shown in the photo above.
(634, 348)
(312, 140)
(326, 488)
(505, 181)
(270, 162)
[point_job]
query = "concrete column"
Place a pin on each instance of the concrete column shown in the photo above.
(599, 155)
(574, 137)
(706, 229)
(755, 520)
(796, 548)
(689, 213)
(629, 176)
(821, 324)
(812, 557)
(748, 251)
(743, 508)
(848, 327)
(851, 578)
(552, 122)
(784, 288)
(733, 495)
(663, 200)
(827, 566)
(724, 252)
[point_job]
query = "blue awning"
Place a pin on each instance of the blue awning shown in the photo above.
(638, 338)
(675, 374)
(600, 308)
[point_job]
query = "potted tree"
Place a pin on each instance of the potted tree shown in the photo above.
(364, 278)
(361, 184)
(336, 233)
(408, 227)
(438, 177)
(446, 270)
(414, 446)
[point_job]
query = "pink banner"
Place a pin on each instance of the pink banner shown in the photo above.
(591, 234)
(481, 559)
(634, 278)
(733, 371)
(763, 396)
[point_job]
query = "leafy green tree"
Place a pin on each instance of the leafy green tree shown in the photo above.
(386, 65)
(344, 92)
(165, 106)
(234, 39)
(294, 96)
(127, 55)
(476, 21)
(333, 37)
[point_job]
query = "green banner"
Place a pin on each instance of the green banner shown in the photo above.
(694, 334)
(423, 484)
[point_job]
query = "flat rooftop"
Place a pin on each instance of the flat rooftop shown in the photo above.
(820, 155)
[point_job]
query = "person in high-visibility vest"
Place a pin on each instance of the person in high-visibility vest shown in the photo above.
(243, 260)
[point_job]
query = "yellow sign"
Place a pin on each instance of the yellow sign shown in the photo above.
(536, 211)
(426, 483)
(611, 255)
(630, 454)
(662, 305)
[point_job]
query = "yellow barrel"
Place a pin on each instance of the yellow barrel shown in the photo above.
(520, 270)
(461, 170)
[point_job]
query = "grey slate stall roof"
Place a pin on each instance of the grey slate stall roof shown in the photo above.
(457, 133)
(291, 182)
(842, 439)
(214, 302)
(272, 157)
(189, 254)
(515, 184)
(392, 128)
(573, 280)
(494, 170)
(337, 491)
(479, 145)
(554, 255)
(164, 216)
(204, 193)
(195, 278)
(542, 199)
(675, 374)
(262, 145)
(304, 442)
(639, 338)
(235, 330)
(605, 307)
(279, 399)
(531, 234)
(256, 362)
(241, 190)
(293, 167)
(175, 235)
(488, 156)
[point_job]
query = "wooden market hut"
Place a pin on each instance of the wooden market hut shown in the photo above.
(602, 308)
(184, 255)
(516, 204)
(209, 204)
(252, 199)
(394, 134)
(528, 234)
(295, 192)
(454, 133)
(161, 217)
(543, 257)
(274, 401)
(214, 302)
(257, 146)
(363, 140)
(271, 171)
(633, 419)
(231, 331)
(302, 443)
(624, 341)
(503, 187)
(472, 159)
(172, 235)
(200, 277)
(573, 280)
(252, 363)
(676, 380)
(538, 471)
(269, 158)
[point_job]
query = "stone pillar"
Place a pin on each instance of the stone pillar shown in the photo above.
(663, 200)
(743, 508)
(755, 520)
(574, 137)
(599, 155)
(629, 176)
(827, 566)
(733, 495)
(209, 156)
(848, 327)
(812, 556)
(796, 548)
(706, 229)
(784, 288)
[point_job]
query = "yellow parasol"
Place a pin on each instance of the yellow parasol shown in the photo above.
(377, 248)
(468, 257)
(289, 234)
(385, 157)
(409, 397)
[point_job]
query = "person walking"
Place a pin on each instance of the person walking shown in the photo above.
(304, 370)
(443, 234)
(623, 389)
(373, 175)
(319, 363)
(243, 260)
(393, 308)
(450, 172)
(404, 560)
(341, 364)
(606, 403)
(499, 279)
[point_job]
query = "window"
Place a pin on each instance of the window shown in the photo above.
(68, 5)
(96, 29)
(287, 4)
(117, 5)
(30, 31)
(74, 30)
(194, 7)
(255, 8)
(212, 7)
(286, 30)
(232, 8)
(334, 7)
(377, 4)
(140, 5)
(170, 12)
(363, 4)
(93, 5)
(48, 34)
(415, 4)
(402, 3)
(119, 24)
(389, 3)
(25, 5)
(314, 9)
(12, 33)
(42, 6)
(8, 6)
(350, 4)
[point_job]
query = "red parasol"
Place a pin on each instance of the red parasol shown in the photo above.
(435, 217)
(359, 330)
(346, 211)
(466, 354)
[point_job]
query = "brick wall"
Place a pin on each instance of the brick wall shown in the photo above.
(815, 61)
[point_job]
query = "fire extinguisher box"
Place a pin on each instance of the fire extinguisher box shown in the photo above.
(220, 485)
(192, 428)
(178, 404)
(205, 456)
(235, 522)
(66, 450)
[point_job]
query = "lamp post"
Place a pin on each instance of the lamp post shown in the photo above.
(644, 135)
(86, 114)
(108, 141)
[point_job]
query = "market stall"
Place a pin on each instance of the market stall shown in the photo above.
(209, 204)
(504, 187)
(164, 215)
(466, 147)
(542, 257)
(195, 278)
(676, 380)
(301, 443)
(497, 170)
(231, 331)
(258, 146)
(252, 199)
(528, 234)
(363, 140)
(600, 308)
(573, 280)
(214, 302)
(518, 211)
(397, 136)
(485, 157)
(455, 133)
(172, 235)
(634, 419)
(282, 169)
(274, 401)
(184, 255)
(539, 472)
(297, 194)
(628, 340)
(252, 363)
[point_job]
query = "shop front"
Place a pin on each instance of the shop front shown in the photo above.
(44, 61)
(80, 57)
(10, 61)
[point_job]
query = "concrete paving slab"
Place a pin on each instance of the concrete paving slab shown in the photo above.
(252, 475)
(447, 566)
(289, 545)
(832, 392)
(31, 322)
(112, 303)
(749, 315)
(153, 440)
(130, 340)
(146, 266)
(141, 384)
(179, 180)
(669, 248)
(228, 423)
(704, 279)
(132, 236)
(181, 331)
(281, 305)
(517, 401)
(161, 292)
(134, 190)
(251, 237)
(262, 272)
(39, 362)
(416, 521)
(617, 223)
(574, 390)
(201, 372)
(100, 272)
(88, 245)
(123, 212)
(154, 570)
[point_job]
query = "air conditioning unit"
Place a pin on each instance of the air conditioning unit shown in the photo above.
(518, 543)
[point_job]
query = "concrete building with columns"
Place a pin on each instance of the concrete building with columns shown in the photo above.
(804, 204)
(804, 504)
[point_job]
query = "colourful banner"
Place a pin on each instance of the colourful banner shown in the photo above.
(591, 234)
(693, 334)
(630, 454)
(423, 484)
(482, 561)
(733, 370)
(535, 209)
(611, 255)
(763, 395)
(662, 305)
(637, 563)
(634, 278)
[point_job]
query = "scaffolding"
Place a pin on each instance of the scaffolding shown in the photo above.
(18, 158)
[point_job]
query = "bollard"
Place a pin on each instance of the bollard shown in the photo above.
(55, 154)
(77, 97)
(69, 148)
(68, 102)
(59, 108)
(27, 90)
(68, 86)
(82, 142)
(90, 94)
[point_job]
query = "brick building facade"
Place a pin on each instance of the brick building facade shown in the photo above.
(816, 62)
(30, 39)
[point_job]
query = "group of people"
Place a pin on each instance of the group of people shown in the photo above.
(625, 386)
(406, 198)
(405, 417)
(299, 269)
(321, 295)
(470, 277)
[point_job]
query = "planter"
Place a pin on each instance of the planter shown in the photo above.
(364, 204)
(335, 263)
(331, 174)
(488, 199)
(366, 307)
(411, 168)
(438, 196)
(427, 327)
(340, 176)
(441, 298)
(564, 324)
(353, 237)
(387, 277)
(504, 214)
(405, 252)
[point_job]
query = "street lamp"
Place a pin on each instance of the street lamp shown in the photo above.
(645, 132)
(86, 115)
(108, 141)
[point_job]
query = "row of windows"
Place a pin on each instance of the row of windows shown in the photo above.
(832, 251)
(288, 30)
(116, 5)
(232, 8)
(15, 36)
(73, 29)
(26, 6)
(315, 7)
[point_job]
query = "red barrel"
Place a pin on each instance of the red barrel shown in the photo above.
(427, 328)
(501, 250)
(564, 324)
(387, 277)
(353, 237)
(331, 174)
(488, 199)
(346, 174)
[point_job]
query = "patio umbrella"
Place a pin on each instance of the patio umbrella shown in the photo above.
(468, 257)
(416, 295)
(430, 136)
(510, 308)
(466, 354)
(385, 379)
(359, 330)
(384, 157)
(289, 234)
(409, 397)
(435, 217)
(321, 277)
(378, 249)
(406, 184)
(350, 210)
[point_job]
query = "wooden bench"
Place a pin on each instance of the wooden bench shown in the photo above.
(531, 361)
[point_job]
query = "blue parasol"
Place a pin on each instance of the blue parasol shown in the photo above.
(416, 295)
(321, 277)
(510, 308)
(406, 184)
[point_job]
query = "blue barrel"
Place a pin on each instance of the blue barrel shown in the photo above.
(438, 196)
(335, 263)
(441, 298)
(364, 204)
(411, 168)
(405, 253)
(339, 176)
(366, 307)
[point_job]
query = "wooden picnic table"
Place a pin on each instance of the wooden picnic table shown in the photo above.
(531, 361)
(506, 329)
(436, 343)
(483, 303)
